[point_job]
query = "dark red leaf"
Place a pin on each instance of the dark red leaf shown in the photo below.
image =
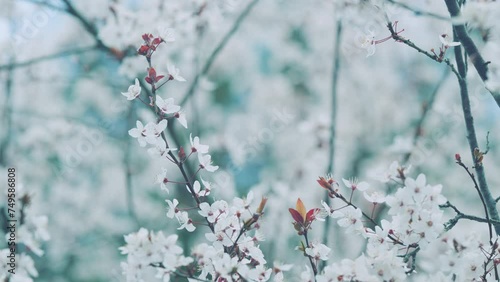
(311, 215)
(159, 77)
(296, 215)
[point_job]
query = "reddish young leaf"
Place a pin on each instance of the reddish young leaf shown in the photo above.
(159, 77)
(311, 215)
(296, 215)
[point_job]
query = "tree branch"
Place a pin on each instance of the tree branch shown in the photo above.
(461, 34)
(333, 117)
(70, 52)
(418, 12)
(472, 139)
(426, 109)
(217, 50)
(471, 175)
(409, 43)
(460, 215)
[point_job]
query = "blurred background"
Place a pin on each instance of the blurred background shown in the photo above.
(259, 91)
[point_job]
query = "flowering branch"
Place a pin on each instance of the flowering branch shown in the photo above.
(409, 43)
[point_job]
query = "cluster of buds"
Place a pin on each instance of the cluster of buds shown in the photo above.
(149, 46)
(328, 183)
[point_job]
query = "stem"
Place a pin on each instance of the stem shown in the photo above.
(471, 175)
(409, 43)
(417, 12)
(217, 50)
(460, 215)
(7, 116)
(128, 169)
(66, 53)
(86, 24)
(425, 111)
(471, 137)
(333, 113)
(313, 265)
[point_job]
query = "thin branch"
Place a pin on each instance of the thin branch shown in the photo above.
(409, 43)
(333, 117)
(46, 4)
(460, 31)
(86, 24)
(473, 178)
(472, 139)
(70, 52)
(128, 168)
(7, 116)
(460, 215)
(418, 12)
(217, 50)
(313, 265)
(426, 109)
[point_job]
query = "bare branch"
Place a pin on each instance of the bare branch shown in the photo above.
(426, 109)
(418, 12)
(66, 53)
(217, 50)
(485, 192)
(333, 118)
(472, 51)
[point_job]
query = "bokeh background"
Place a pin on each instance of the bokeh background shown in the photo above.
(261, 74)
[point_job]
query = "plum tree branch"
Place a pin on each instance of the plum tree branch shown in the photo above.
(426, 109)
(211, 58)
(472, 140)
(333, 117)
(65, 53)
(409, 43)
(418, 12)
(470, 47)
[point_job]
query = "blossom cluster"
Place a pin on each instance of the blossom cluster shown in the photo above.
(232, 251)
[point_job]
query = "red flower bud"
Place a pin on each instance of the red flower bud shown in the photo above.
(143, 50)
(458, 158)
